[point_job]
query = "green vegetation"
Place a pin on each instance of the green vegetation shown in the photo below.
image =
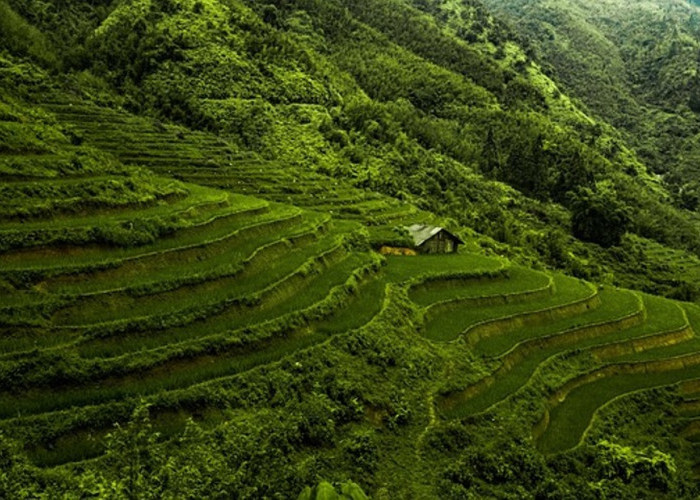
(192, 196)
(640, 62)
(470, 322)
(442, 140)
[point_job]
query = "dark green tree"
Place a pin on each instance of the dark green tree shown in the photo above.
(598, 216)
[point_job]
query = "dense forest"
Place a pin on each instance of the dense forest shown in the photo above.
(191, 195)
(640, 63)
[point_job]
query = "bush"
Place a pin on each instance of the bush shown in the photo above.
(361, 451)
(326, 491)
(598, 217)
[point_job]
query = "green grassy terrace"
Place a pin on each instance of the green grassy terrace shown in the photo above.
(156, 265)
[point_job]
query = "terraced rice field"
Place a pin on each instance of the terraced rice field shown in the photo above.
(205, 159)
(171, 289)
(526, 326)
(142, 326)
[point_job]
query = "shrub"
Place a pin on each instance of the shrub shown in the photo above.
(326, 491)
(598, 216)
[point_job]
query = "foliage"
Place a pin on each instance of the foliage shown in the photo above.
(622, 462)
(325, 490)
(22, 38)
(440, 112)
(598, 216)
(640, 62)
(286, 355)
(18, 479)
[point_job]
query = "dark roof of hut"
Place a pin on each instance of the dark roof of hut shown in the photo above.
(423, 232)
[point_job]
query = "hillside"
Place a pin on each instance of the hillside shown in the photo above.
(454, 117)
(264, 334)
(640, 62)
(192, 194)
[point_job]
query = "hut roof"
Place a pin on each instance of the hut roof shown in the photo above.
(423, 232)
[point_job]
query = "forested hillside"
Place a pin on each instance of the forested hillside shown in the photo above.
(192, 195)
(635, 64)
(435, 106)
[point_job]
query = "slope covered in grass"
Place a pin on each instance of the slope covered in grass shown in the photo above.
(192, 303)
(450, 112)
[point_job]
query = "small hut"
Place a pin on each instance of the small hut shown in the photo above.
(433, 239)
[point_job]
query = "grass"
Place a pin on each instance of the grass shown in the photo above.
(689, 408)
(519, 280)
(614, 304)
(226, 321)
(68, 164)
(180, 373)
(365, 304)
(198, 196)
(570, 418)
(192, 307)
(73, 445)
(124, 307)
(228, 251)
(453, 324)
(205, 269)
(195, 269)
(24, 341)
(693, 312)
(206, 225)
(521, 353)
(105, 195)
(670, 262)
(89, 443)
(400, 269)
(359, 310)
(225, 256)
(662, 316)
(205, 159)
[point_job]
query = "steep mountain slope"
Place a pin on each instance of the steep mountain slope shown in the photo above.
(190, 303)
(268, 339)
(633, 63)
(411, 103)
